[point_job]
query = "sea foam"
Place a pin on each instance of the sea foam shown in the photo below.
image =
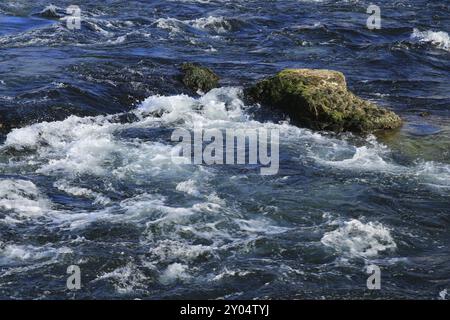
(212, 24)
(22, 199)
(440, 39)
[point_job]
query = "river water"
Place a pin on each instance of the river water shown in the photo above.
(85, 156)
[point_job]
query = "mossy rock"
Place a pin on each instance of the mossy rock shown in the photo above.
(197, 77)
(319, 99)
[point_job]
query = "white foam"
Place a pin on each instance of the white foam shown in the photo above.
(94, 147)
(218, 24)
(211, 23)
(96, 28)
(153, 206)
(182, 103)
(375, 157)
(260, 226)
(88, 146)
(170, 24)
(230, 274)
(188, 187)
(23, 199)
(66, 150)
(364, 158)
(174, 272)
(440, 39)
(120, 39)
(152, 209)
(14, 253)
(65, 186)
(167, 250)
(340, 154)
(210, 110)
(126, 279)
(357, 239)
(73, 146)
(433, 174)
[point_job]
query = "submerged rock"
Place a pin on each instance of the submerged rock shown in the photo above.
(319, 99)
(197, 77)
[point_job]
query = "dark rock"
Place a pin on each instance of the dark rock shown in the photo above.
(196, 77)
(319, 99)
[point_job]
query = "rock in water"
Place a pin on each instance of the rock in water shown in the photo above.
(197, 77)
(319, 99)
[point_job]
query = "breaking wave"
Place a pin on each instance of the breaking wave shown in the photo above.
(440, 39)
(218, 25)
(357, 239)
(120, 168)
(102, 147)
(21, 200)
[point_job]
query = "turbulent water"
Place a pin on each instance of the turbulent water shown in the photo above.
(86, 169)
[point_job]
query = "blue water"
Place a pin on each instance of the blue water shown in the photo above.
(86, 172)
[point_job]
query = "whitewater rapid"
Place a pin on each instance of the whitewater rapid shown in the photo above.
(112, 152)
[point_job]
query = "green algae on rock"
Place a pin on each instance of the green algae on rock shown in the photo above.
(319, 99)
(197, 77)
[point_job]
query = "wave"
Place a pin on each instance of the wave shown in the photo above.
(218, 25)
(120, 167)
(434, 174)
(95, 146)
(439, 39)
(375, 157)
(21, 200)
(174, 272)
(356, 239)
(126, 279)
(95, 30)
(370, 157)
(90, 158)
(14, 253)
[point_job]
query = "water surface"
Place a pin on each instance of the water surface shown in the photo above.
(87, 177)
